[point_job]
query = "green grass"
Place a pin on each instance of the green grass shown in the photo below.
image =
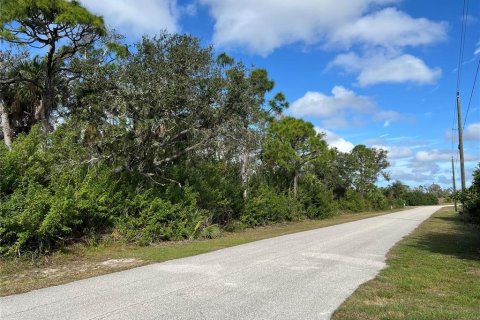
(81, 261)
(432, 274)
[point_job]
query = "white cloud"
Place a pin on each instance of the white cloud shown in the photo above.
(433, 155)
(335, 141)
(395, 152)
(340, 109)
(472, 132)
(320, 105)
(440, 155)
(385, 68)
(263, 26)
(138, 17)
(390, 28)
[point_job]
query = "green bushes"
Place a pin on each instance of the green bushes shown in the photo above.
(471, 198)
(316, 200)
(147, 218)
(419, 198)
(353, 202)
(50, 197)
(266, 206)
(47, 200)
(53, 192)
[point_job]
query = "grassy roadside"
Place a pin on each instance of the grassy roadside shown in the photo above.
(80, 261)
(432, 274)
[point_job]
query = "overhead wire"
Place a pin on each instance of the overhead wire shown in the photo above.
(462, 42)
(471, 94)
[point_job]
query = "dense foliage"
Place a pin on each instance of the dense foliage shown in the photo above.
(163, 141)
(471, 198)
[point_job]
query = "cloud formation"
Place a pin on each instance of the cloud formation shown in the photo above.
(139, 17)
(389, 28)
(340, 109)
(435, 155)
(385, 68)
(335, 141)
(472, 132)
(395, 152)
(263, 26)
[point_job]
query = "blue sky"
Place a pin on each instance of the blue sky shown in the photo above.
(376, 72)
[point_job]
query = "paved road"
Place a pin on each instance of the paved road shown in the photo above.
(304, 275)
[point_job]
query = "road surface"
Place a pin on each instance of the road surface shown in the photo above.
(305, 275)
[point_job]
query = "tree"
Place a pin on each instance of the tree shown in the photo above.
(397, 190)
(9, 68)
(436, 190)
(64, 28)
(19, 99)
(365, 166)
(156, 106)
(290, 145)
(244, 97)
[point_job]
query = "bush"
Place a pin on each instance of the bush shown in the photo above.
(471, 198)
(147, 218)
(47, 201)
(218, 184)
(353, 202)
(419, 198)
(267, 206)
(375, 200)
(317, 201)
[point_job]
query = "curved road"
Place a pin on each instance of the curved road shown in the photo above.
(305, 275)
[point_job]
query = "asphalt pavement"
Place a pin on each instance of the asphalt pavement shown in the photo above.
(304, 275)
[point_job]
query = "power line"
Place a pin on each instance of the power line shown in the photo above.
(471, 94)
(462, 42)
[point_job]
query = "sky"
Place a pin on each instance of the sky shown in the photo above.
(377, 72)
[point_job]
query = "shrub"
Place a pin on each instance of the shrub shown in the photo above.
(147, 218)
(317, 201)
(47, 200)
(375, 200)
(419, 198)
(471, 198)
(353, 202)
(267, 206)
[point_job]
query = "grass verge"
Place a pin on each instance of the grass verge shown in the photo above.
(81, 261)
(432, 274)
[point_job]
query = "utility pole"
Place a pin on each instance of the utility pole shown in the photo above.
(454, 186)
(460, 142)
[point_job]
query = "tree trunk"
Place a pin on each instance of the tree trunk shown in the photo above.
(244, 173)
(47, 101)
(40, 116)
(7, 131)
(295, 183)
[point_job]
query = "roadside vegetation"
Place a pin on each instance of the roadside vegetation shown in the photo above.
(471, 199)
(80, 261)
(432, 274)
(162, 140)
